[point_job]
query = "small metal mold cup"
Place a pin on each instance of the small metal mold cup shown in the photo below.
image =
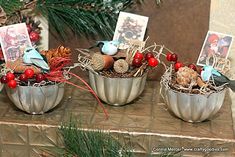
(36, 100)
(193, 107)
(117, 91)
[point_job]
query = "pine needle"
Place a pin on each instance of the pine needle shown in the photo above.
(83, 143)
(11, 6)
(83, 17)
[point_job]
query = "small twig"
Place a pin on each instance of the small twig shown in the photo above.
(85, 52)
(141, 69)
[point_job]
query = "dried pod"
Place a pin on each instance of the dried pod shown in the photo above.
(186, 76)
(121, 66)
(19, 67)
(100, 62)
(201, 83)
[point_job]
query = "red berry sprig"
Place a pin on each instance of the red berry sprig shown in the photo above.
(168, 56)
(12, 84)
(192, 66)
(149, 55)
(40, 77)
(172, 57)
(178, 65)
(139, 55)
(29, 73)
(153, 62)
(10, 76)
(34, 36)
(137, 62)
(9, 79)
(4, 79)
(23, 78)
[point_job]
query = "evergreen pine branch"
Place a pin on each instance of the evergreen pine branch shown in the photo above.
(83, 143)
(83, 17)
(11, 6)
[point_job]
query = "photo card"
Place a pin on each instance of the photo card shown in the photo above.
(130, 27)
(14, 40)
(215, 45)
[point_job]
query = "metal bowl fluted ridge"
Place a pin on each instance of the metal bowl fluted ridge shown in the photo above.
(117, 91)
(194, 107)
(36, 100)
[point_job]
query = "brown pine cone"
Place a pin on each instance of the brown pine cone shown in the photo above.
(61, 51)
(186, 76)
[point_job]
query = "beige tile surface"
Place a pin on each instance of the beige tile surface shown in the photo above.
(146, 121)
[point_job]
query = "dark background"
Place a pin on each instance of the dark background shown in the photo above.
(181, 25)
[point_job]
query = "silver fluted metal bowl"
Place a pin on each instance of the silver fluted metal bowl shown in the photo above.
(36, 100)
(117, 91)
(193, 107)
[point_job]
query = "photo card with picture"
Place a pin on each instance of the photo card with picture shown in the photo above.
(14, 40)
(215, 47)
(130, 27)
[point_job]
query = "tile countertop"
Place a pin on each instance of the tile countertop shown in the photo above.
(145, 121)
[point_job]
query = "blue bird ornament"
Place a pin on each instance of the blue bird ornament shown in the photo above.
(32, 56)
(209, 73)
(107, 47)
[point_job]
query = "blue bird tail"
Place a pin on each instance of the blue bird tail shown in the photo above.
(232, 85)
(98, 44)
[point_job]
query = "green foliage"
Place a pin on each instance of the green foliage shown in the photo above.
(78, 142)
(83, 143)
(83, 17)
(11, 6)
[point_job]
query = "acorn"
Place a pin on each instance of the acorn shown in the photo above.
(121, 66)
(100, 62)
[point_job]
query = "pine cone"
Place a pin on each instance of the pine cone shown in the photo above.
(186, 76)
(121, 66)
(61, 51)
(3, 16)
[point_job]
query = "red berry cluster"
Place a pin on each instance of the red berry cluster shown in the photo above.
(172, 57)
(33, 35)
(139, 58)
(10, 78)
(33, 28)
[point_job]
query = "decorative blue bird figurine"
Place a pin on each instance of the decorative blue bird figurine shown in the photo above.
(107, 47)
(209, 73)
(32, 56)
